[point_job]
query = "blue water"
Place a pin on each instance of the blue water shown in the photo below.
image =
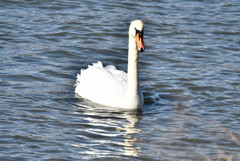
(189, 74)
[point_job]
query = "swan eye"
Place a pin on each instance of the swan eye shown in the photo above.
(140, 32)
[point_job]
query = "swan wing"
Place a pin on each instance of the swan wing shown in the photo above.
(103, 85)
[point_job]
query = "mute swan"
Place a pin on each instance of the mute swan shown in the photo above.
(111, 87)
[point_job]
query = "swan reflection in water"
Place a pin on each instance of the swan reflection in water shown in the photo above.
(105, 132)
(128, 129)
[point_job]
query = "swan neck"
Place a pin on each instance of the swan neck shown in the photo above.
(133, 95)
(132, 63)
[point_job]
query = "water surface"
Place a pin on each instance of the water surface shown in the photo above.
(189, 75)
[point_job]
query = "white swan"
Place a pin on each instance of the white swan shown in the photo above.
(111, 87)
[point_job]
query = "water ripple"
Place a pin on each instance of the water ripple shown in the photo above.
(189, 75)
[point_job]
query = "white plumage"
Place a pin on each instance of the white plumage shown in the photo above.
(111, 87)
(103, 85)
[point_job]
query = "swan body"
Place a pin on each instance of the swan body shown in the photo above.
(111, 87)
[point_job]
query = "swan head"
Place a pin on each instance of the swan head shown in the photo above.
(136, 31)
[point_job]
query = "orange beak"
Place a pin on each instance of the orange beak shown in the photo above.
(140, 44)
